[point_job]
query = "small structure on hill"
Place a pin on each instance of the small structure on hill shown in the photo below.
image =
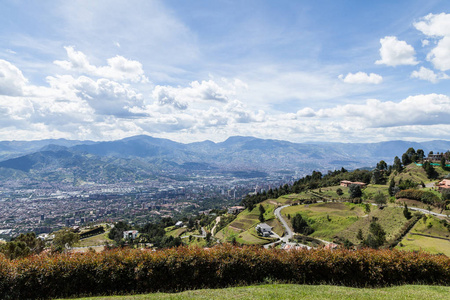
(179, 223)
(264, 229)
(130, 234)
(346, 183)
(434, 157)
(444, 185)
(235, 209)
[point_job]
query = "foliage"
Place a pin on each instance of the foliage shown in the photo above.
(65, 238)
(300, 225)
(391, 187)
(397, 166)
(406, 212)
(376, 236)
(429, 169)
(355, 191)
(380, 199)
(125, 271)
(23, 245)
(116, 233)
(426, 197)
(407, 184)
(339, 191)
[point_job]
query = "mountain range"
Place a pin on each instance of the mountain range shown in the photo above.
(144, 156)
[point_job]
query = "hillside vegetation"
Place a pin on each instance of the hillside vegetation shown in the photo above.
(137, 271)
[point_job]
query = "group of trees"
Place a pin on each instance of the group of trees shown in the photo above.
(23, 245)
(313, 181)
(26, 244)
(376, 237)
(300, 225)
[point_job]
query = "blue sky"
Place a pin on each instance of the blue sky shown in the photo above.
(344, 71)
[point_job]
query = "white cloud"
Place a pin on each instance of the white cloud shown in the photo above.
(440, 55)
(12, 80)
(394, 52)
(108, 97)
(427, 74)
(361, 77)
(425, 43)
(431, 109)
(437, 26)
(434, 25)
(118, 68)
(197, 92)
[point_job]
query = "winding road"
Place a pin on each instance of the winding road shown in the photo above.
(287, 230)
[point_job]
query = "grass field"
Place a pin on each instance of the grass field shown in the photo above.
(96, 240)
(430, 226)
(431, 245)
(333, 219)
(413, 172)
(293, 291)
(327, 219)
(176, 231)
(391, 220)
(243, 227)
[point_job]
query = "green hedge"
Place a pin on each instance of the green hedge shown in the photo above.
(137, 271)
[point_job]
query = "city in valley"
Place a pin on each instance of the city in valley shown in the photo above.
(44, 207)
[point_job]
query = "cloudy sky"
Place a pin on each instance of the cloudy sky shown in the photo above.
(303, 71)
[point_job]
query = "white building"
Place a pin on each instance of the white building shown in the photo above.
(264, 229)
(130, 234)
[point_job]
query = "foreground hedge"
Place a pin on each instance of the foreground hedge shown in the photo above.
(126, 271)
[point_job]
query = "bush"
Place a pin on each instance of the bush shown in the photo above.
(126, 271)
(137, 271)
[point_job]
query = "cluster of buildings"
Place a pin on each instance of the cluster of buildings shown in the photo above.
(45, 207)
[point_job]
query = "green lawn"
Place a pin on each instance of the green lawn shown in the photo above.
(243, 227)
(294, 291)
(431, 245)
(333, 219)
(430, 226)
(96, 240)
(391, 220)
(328, 219)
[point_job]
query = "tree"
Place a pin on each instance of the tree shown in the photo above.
(420, 154)
(431, 172)
(391, 187)
(443, 165)
(406, 212)
(339, 191)
(300, 225)
(355, 191)
(382, 165)
(250, 206)
(397, 166)
(376, 236)
(380, 199)
(23, 245)
(406, 159)
(65, 238)
(360, 236)
(377, 177)
(261, 209)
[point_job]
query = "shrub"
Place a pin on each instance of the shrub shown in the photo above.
(137, 271)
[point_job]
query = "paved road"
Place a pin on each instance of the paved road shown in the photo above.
(213, 230)
(287, 230)
(427, 211)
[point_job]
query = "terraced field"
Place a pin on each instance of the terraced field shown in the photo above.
(327, 219)
(243, 227)
(436, 241)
